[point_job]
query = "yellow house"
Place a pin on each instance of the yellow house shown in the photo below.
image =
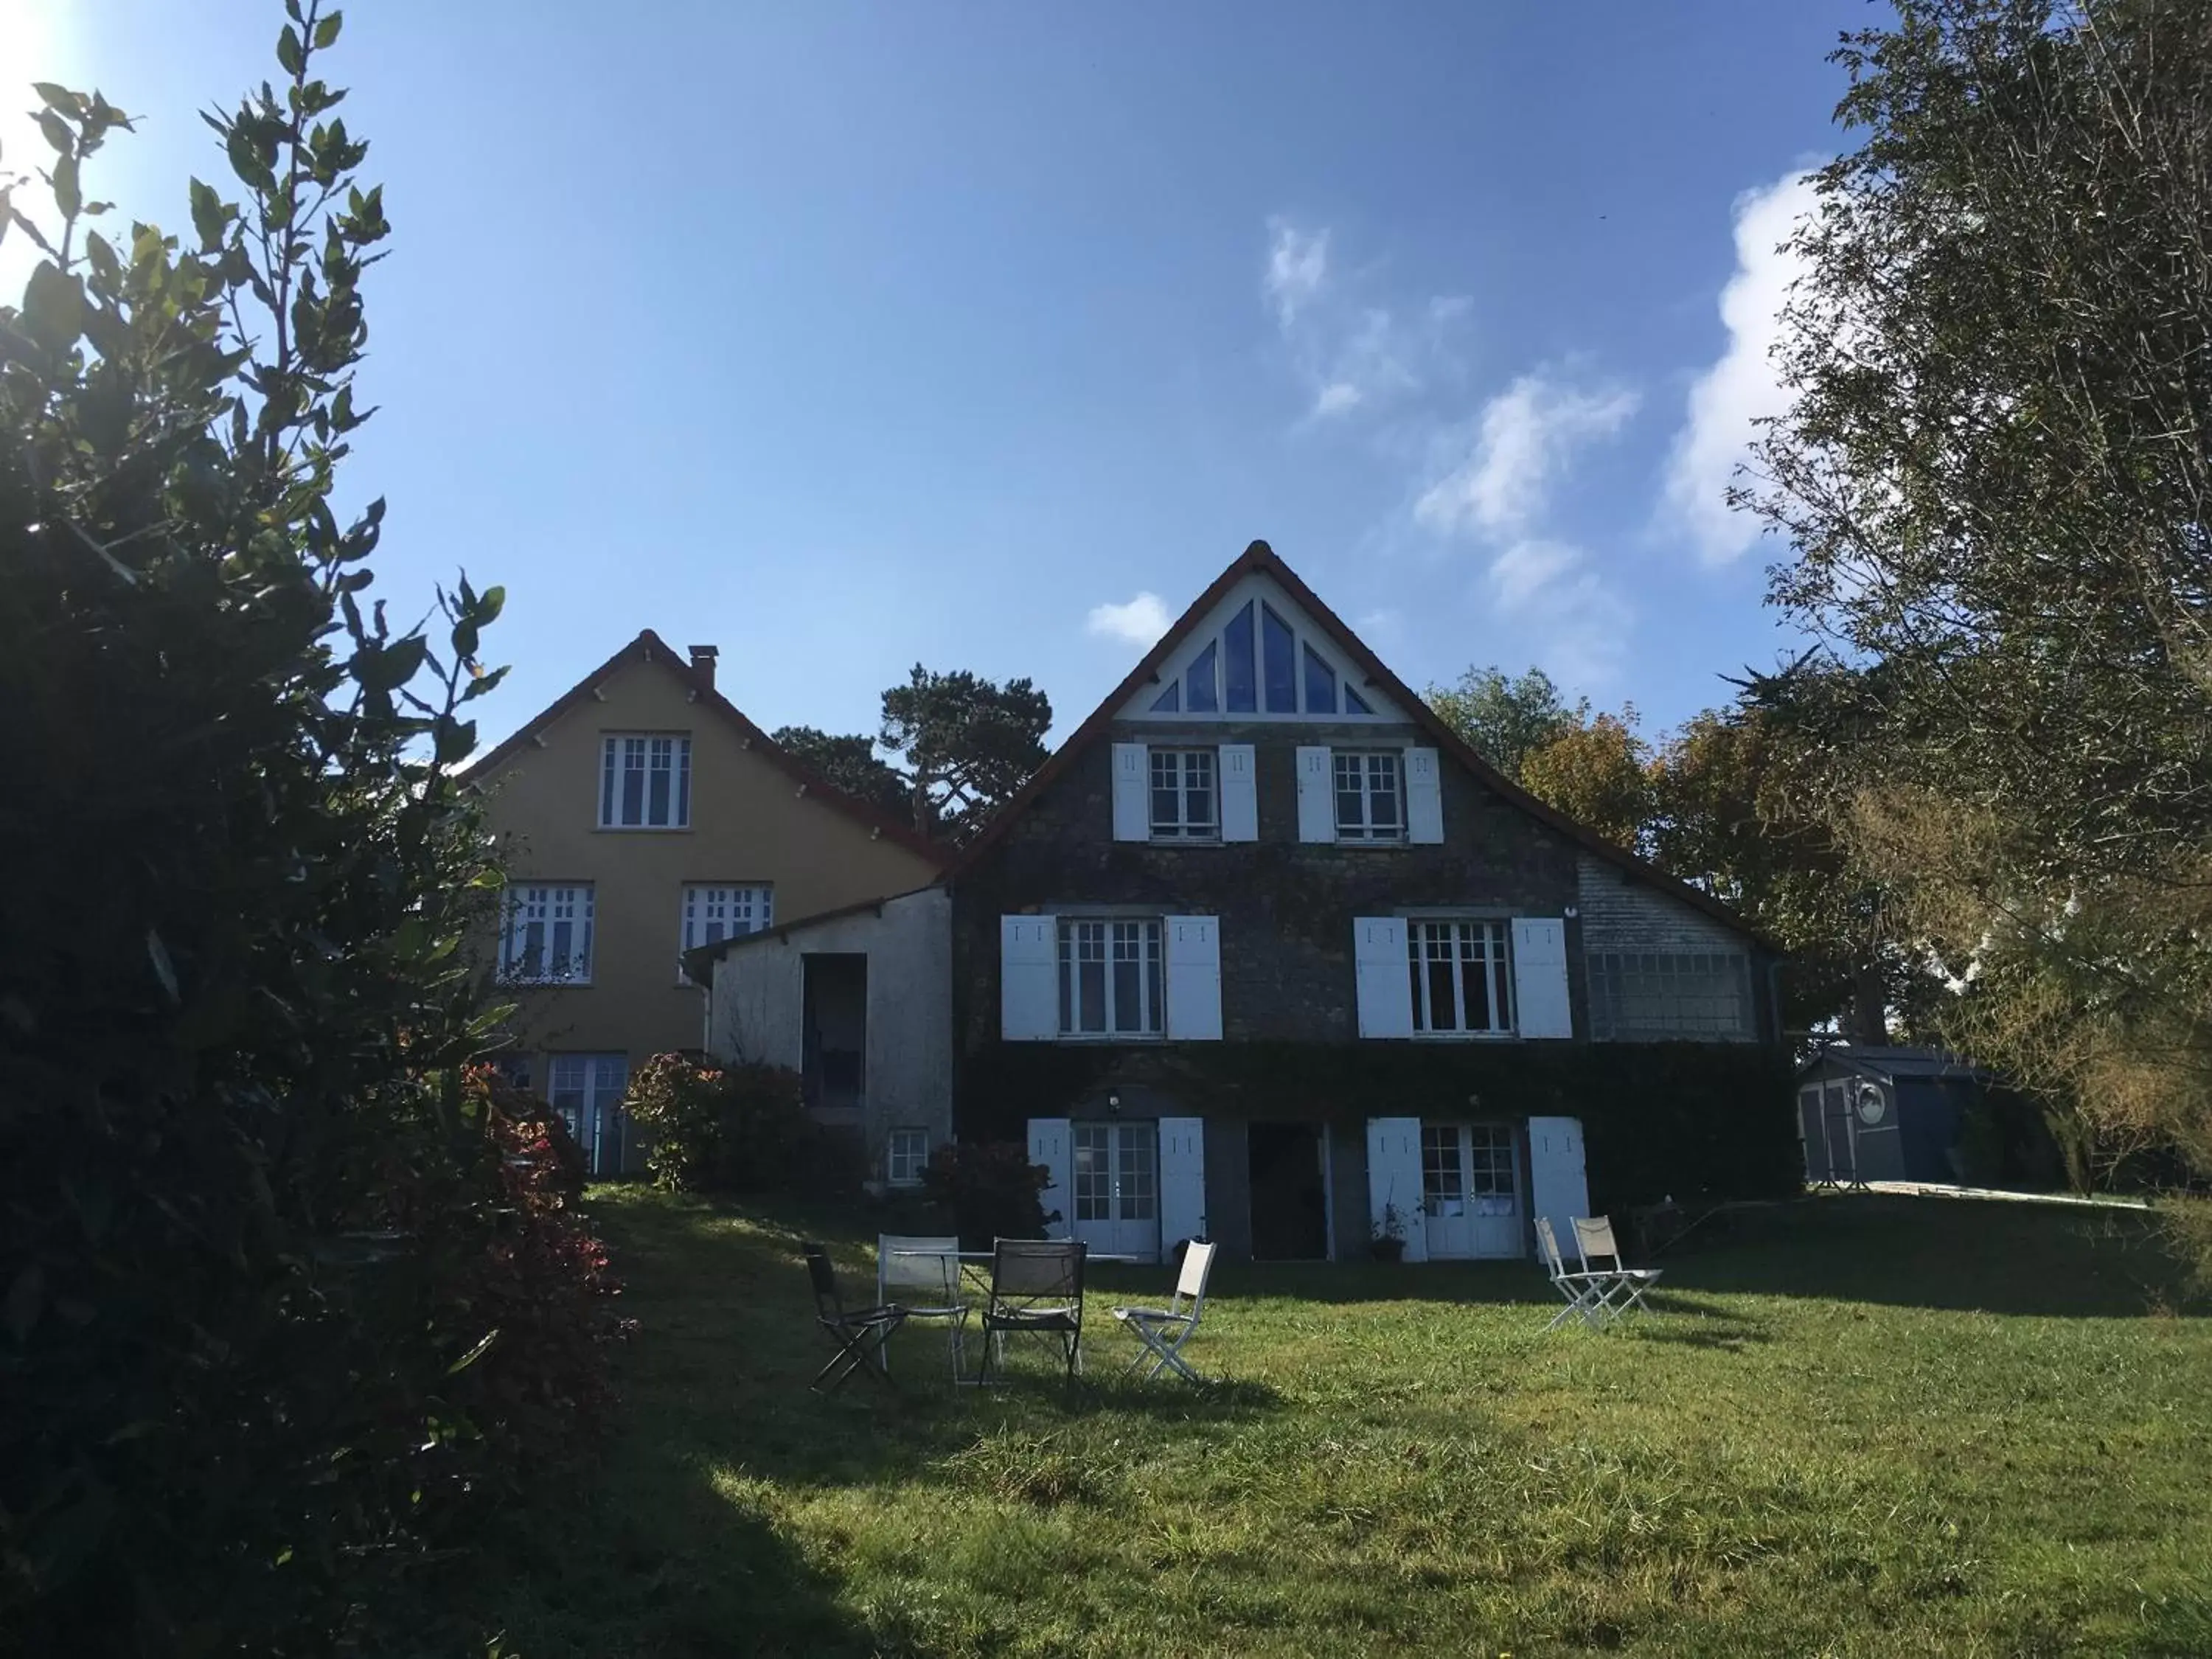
(640, 816)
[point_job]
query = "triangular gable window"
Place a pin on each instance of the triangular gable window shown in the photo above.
(1263, 658)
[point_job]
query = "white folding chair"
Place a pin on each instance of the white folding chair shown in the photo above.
(922, 1276)
(1594, 1238)
(1582, 1290)
(1164, 1330)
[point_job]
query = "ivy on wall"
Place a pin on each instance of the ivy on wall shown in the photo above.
(1692, 1120)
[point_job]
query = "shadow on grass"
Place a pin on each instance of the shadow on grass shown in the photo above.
(660, 1563)
(1959, 1254)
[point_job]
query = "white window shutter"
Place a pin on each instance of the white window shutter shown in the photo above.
(1558, 1186)
(1240, 794)
(1424, 798)
(1050, 1144)
(1393, 1182)
(1316, 795)
(1386, 993)
(1132, 799)
(1029, 979)
(1182, 1179)
(1541, 1007)
(1194, 967)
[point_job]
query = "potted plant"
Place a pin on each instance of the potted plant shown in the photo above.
(1388, 1243)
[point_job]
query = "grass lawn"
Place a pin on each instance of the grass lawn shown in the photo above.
(1857, 1426)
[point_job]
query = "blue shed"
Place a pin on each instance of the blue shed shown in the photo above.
(1868, 1114)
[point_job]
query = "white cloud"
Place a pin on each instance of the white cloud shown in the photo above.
(1578, 625)
(1525, 569)
(1337, 397)
(1140, 623)
(1297, 265)
(1353, 356)
(1740, 388)
(1527, 434)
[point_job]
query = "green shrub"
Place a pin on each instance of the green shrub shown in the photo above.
(736, 1128)
(277, 1310)
(991, 1189)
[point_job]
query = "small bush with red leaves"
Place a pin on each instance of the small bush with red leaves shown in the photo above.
(735, 1129)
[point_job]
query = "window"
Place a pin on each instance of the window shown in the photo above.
(1203, 698)
(1185, 804)
(548, 937)
(1660, 995)
(1320, 685)
(1444, 1182)
(1370, 803)
(1278, 662)
(1460, 983)
(906, 1155)
(644, 782)
(1467, 1170)
(1261, 656)
(714, 913)
(1116, 1171)
(1240, 689)
(1112, 981)
(587, 1092)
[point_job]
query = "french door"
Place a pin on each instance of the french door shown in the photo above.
(588, 1090)
(1470, 1190)
(1116, 1172)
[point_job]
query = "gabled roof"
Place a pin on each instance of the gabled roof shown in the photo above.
(1890, 1064)
(1262, 559)
(647, 648)
(699, 961)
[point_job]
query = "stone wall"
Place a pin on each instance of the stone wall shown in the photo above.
(1286, 907)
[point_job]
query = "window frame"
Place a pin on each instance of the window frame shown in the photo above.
(1605, 970)
(1365, 833)
(1150, 977)
(763, 895)
(892, 1155)
(1495, 963)
(1182, 831)
(515, 921)
(611, 803)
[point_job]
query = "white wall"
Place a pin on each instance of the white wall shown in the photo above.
(757, 1008)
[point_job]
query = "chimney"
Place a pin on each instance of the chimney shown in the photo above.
(702, 663)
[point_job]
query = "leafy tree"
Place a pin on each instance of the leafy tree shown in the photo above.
(249, 1356)
(1745, 802)
(852, 764)
(1598, 776)
(1995, 476)
(1503, 719)
(968, 743)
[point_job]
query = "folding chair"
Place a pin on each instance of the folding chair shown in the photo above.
(1594, 1238)
(1164, 1330)
(1036, 1287)
(1580, 1289)
(922, 1277)
(860, 1336)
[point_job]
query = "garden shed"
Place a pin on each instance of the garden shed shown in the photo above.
(1884, 1114)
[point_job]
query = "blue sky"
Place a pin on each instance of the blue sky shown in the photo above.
(844, 336)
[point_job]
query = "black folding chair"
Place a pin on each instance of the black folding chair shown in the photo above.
(860, 1336)
(1037, 1288)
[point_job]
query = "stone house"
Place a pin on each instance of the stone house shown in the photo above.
(1266, 954)
(640, 816)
